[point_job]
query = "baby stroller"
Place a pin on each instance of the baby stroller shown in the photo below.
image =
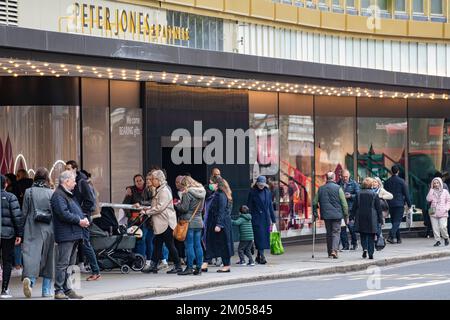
(113, 245)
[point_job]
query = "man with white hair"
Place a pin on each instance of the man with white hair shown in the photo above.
(333, 208)
(68, 223)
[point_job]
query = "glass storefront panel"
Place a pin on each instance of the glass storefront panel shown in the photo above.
(429, 145)
(382, 133)
(296, 163)
(263, 119)
(335, 135)
(38, 136)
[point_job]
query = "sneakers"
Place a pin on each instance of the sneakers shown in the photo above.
(84, 268)
(354, 247)
(364, 255)
(251, 264)
(27, 290)
(198, 271)
(446, 242)
(164, 264)
(334, 254)
(240, 262)
(61, 296)
(390, 240)
(73, 295)
(437, 244)
(175, 270)
(5, 295)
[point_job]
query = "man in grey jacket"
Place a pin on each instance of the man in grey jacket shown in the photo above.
(333, 208)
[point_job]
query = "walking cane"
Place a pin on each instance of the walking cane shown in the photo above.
(314, 236)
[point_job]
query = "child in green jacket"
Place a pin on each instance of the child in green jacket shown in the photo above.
(245, 235)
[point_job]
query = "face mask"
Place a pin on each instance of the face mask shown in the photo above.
(211, 187)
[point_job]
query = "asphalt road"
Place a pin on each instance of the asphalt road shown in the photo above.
(429, 280)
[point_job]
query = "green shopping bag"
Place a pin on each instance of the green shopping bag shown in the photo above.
(276, 247)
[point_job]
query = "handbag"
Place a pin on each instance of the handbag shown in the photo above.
(182, 227)
(41, 216)
(381, 243)
(431, 211)
(276, 246)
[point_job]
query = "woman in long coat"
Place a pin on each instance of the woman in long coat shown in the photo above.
(219, 237)
(368, 216)
(38, 241)
(261, 208)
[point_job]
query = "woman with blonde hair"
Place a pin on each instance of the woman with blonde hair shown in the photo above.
(164, 222)
(439, 199)
(368, 215)
(191, 205)
(219, 238)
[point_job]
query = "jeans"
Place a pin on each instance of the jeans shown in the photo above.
(46, 285)
(333, 228)
(144, 246)
(7, 249)
(194, 248)
(244, 249)
(165, 238)
(368, 242)
(344, 236)
(66, 254)
(89, 252)
(396, 218)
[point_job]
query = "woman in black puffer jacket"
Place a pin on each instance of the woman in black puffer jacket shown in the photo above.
(11, 232)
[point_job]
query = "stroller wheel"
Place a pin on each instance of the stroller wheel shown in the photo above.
(125, 269)
(138, 263)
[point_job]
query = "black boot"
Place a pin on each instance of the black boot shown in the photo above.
(177, 268)
(198, 271)
(262, 260)
(258, 259)
(186, 272)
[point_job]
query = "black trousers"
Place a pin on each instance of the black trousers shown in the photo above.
(167, 238)
(244, 249)
(7, 249)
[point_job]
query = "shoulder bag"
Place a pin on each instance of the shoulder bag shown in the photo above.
(40, 215)
(182, 227)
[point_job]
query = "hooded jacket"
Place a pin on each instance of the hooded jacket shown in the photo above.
(11, 216)
(245, 226)
(193, 198)
(440, 199)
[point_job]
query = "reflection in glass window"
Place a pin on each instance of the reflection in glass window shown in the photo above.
(96, 148)
(418, 6)
(264, 151)
(350, 3)
(381, 144)
(199, 33)
(382, 4)
(296, 162)
(429, 147)
(436, 6)
(400, 5)
(126, 149)
(49, 138)
(365, 4)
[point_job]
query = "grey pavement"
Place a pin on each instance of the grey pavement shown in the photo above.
(295, 262)
(418, 280)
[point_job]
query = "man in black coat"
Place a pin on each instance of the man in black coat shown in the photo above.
(397, 186)
(11, 233)
(69, 223)
(86, 199)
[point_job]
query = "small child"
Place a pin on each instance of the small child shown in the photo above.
(245, 235)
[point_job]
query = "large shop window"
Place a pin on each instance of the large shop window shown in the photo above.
(263, 119)
(126, 136)
(296, 162)
(95, 118)
(429, 145)
(38, 136)
(335, 134)
(382, 132)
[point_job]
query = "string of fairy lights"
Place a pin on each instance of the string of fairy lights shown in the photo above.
(18, 68)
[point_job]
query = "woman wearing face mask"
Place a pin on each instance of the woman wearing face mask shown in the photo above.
(261, 209)
(439, 199)
(219, 238)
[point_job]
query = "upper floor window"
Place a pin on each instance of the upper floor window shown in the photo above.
(382, 4)
(436, 7)
(400, 5)
(418, 6)
(365, 4)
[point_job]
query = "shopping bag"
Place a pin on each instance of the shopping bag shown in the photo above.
(381, 243)
(276, 247)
